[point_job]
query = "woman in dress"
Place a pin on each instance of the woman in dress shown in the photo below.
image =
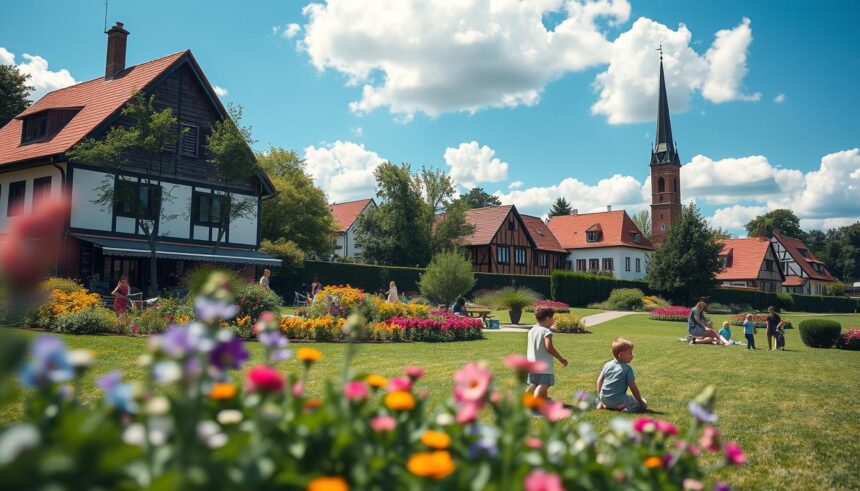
(120, 296)
(700, 328)
(392, 293)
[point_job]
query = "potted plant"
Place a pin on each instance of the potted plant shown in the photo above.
(515, 299)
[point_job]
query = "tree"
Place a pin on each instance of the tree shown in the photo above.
(148, 134)
(287, 251)
(478, 198)
(839, 249)
(643, 221)
(561, 207)
(785, 220)
(233, 162)
(684, 266)
(299, 211)
(448, 276)
(837, 289)
(720, 234)
(14, 93)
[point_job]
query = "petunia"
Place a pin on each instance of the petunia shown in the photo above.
(356, 391)
(473, 380)
(540, 480)
(211, 311)
(264, 379)
(734, 454)
(382, 424)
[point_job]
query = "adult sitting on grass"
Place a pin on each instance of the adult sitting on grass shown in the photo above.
(700, 329)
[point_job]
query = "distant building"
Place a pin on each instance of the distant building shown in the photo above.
(606, 241)
(804, 273)
(345, 217)
(750, 263)
(665, 170)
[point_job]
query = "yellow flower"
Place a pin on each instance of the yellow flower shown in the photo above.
(436, 465)
(400, 400)
(376, 381)
(436, 439)
(653, 462)
(328, 484)
(223, 391)
(309, 355)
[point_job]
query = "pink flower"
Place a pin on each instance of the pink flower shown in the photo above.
(467, 413)
(540, 480)
(555, 411)
(644, 425)
(399, 383)
(414, 372)
(473, 380)
(356, 391)
(710, 439)
(535, 443)
(666, 427)
(267, 317)
(298, 389)
(693, 485)
(734, 454)
(381, 424)
(522, 364)
(264, 379)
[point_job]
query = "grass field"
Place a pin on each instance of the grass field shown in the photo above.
(794, 412)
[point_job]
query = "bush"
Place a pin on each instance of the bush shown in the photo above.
(569, 323)
(90, 321)
(65, 285)
(718, 308)
(558, 307)
(194, 280)
(819, 333)
(148, 321)
(849, 340)
(625, 299)
(674, 314)
(448, 276)
(581, 289)
(511, 298)
(254, 299)
(652, 302)
(786, 301)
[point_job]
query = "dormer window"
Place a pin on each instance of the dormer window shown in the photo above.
(803, 252)
(637, 237)
(593, 234)
(35, 128)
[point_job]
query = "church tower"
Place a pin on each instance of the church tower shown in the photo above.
(665, 171)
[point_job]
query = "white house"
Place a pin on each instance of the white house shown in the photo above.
(804, 273)
(345, 217)
(604, 241)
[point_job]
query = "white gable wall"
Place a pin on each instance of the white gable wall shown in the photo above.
(27, 175)
(618, 255)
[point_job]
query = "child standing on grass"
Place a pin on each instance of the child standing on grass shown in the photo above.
(540, 348)
(749, 331)
(616, 377)
(726, 331)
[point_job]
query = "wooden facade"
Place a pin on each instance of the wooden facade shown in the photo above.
(804, 273)
(768, 278)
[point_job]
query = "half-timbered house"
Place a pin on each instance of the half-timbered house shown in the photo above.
(750, 263)
(804, 273)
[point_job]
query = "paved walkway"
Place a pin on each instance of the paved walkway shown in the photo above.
(589, 320)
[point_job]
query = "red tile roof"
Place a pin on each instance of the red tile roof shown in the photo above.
(541, 234)
(747, 256)
(487, 222)
(793, 247)
(345, 214)
(617, 230)
(98, 100)
(794, 281)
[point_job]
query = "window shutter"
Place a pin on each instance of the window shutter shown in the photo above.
(190, 138)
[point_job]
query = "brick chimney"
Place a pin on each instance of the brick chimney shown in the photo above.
(115, 50)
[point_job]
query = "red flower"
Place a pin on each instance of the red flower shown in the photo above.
(264, 379)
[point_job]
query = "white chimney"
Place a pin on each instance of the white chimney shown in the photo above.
(608, 207)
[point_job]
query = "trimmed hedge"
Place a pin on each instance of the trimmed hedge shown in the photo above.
(799, 303)
(820, 333)
(581, 289)
(818, 303)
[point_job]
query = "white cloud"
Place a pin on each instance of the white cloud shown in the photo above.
(736, 216)
(515, 185)
(728, 180)
(472, 164)
(291, 30)
(727, 65)
(221, 91)
(621, 192)
(343, 169)
(780, 98)
(41, 78)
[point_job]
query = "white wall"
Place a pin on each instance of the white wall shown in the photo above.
(85, 213)
(27, 175)
(178, 210)
(617, 254)
(243, 230)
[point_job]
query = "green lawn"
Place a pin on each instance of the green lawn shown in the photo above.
(792, 411)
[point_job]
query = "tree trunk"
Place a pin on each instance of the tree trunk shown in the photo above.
(153, 273)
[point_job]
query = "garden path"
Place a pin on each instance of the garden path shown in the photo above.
(589, 320)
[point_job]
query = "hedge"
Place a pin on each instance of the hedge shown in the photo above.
(801, 303)
(818, 303)
(582, 289)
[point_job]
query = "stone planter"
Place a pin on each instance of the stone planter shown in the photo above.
(515, 316)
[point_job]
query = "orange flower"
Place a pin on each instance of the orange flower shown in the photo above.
(436, 465)
(653, 462)
(309, 355)
(223, 391)
(533, 402)
(436, 439)
(328, 484)
(312, 404)
(376, 381)
(400, 401)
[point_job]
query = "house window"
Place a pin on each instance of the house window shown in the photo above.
(638, 265)
(35, 128)
(15, 204)
(543, 260)
(41, 189)
(593, 264)
(626, 264)
(511, 225)
(137, 200)
(768, 265)
(661, 186)
(190, 140)
(607, 264)
(592, 236)
(503, 255)
(520, 256)
(662, 227)
(636, 238)
(580, 264)
(209, 210)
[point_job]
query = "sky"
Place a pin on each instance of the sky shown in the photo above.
(530, 100)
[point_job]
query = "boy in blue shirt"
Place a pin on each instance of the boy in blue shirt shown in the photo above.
(749, 331)
(616, 377)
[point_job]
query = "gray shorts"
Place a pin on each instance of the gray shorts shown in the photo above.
(541, 379)
(630, 405)
(696, 330)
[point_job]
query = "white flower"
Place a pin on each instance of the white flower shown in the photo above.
(158, 406)
(166, 372)
(586, 432)
(445, 419)
(81, 358)
(144, 360)
(621, 426)
(16, 439)
(229, 416)
(554, 451)
(159, 427)
(217, 441)
(207, 428)
(134, 434)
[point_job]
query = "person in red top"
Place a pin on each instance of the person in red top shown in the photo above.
(120, 295)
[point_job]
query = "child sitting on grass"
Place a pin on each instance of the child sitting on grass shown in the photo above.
(616, 377)
(726, 331)
(540, 348)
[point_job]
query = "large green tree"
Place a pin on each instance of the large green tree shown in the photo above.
(299, 212)
(783, 219)
(560, 207)
(839, 249)
(685, 264)
(14, 93)
(478, 198)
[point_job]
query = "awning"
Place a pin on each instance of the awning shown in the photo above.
(188, 252)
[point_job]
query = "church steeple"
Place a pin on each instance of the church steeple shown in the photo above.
(665, 170)
(664, 151)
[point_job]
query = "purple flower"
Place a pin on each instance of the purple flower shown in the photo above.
(229, 354)
(721, 486)
(702, 414)
(50, 363)
(486, 444)
(183, 341)
(275, 345)
(117, 394)
(210, 311)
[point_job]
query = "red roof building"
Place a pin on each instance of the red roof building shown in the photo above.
(804, 273)
(750, 263)
(345, 217)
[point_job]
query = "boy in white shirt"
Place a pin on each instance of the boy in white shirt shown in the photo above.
(540, 348)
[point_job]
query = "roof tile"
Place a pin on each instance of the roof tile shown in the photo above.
(747, 257)
(345, 214)
(541, 234)
(618, 230)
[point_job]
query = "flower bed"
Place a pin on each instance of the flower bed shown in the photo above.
(440, 326)
(325, 328)
(760, 321)
(674, 314)
(559, 307)
(849, 340)
(569, 323)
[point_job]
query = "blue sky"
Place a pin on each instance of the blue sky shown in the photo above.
(766, 113)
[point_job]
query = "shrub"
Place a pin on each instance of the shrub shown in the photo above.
(194, 280)
(448, 276)
(675, 314)
(254, 299)
(652, 302)
(819, 333)
(65, 285)
(148, 321)
(625, 299)
(786, 301)
(569, 323)
(849, 340)
(512, 298)
(558, 307)
(89, 321)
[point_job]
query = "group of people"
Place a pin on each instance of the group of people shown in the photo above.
(701, 330)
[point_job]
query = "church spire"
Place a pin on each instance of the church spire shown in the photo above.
(664, 146)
